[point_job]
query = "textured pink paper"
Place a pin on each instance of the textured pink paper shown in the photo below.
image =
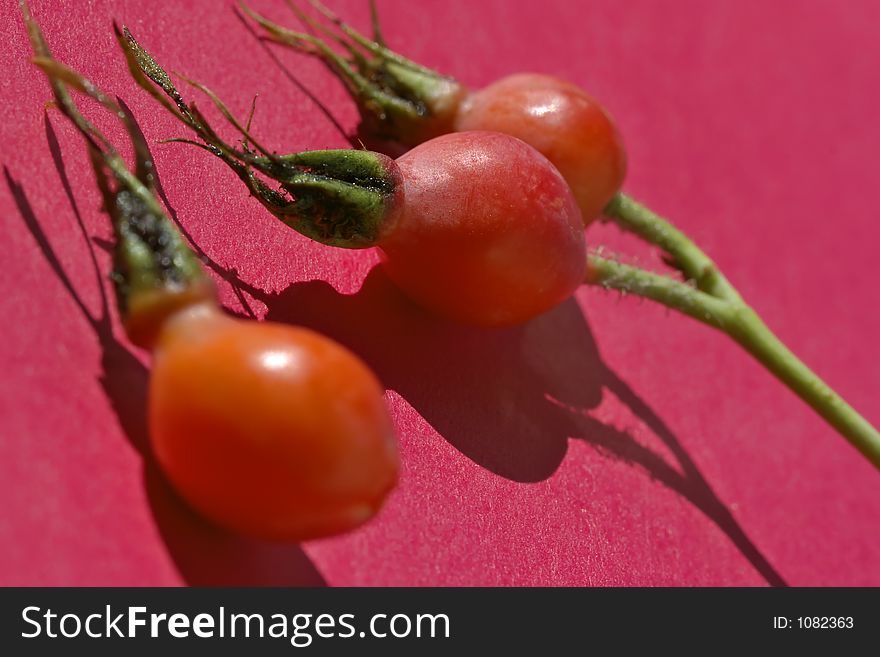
(607, 443)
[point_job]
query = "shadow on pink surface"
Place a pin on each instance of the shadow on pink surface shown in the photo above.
(507, 399)
(519, 421)
(519, 414)
(204, 554)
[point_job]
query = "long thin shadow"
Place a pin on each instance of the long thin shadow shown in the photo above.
(204, 555)
(691, 485)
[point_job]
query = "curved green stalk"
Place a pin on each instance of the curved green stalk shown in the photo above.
(733, 317)
(614, 275)
(686, 256)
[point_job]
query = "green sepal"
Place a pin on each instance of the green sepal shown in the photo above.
(337, 197)
(398, 100)
(149, 253)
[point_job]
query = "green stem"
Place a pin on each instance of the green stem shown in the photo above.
(754, 336)
(614, 275)
(687, 256)
(740, 322)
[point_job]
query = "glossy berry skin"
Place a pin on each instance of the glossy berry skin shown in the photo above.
(485, 230)
(564, 123)
(268, 430)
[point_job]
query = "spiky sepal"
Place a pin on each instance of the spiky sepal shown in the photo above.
(399, 100)
(337, 197)
(155, 272)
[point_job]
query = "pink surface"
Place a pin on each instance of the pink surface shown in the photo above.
(606, 443)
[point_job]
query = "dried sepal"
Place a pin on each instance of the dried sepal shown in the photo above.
(340, 198)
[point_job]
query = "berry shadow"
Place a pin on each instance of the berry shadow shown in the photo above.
(510, 399)
(507, 399)
(203, 554)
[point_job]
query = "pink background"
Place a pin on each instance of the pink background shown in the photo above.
(609, 442)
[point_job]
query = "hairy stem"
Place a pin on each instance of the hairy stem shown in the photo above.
(732, 316)
(614, 275)
(687, 256)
